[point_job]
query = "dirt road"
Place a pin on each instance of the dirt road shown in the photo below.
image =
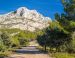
(29, 52)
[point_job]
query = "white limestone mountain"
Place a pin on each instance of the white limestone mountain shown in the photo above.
(24, 19)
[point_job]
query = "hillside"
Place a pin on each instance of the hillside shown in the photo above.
(24, 19)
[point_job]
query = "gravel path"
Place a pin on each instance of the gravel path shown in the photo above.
(30, 56)
(29, 52)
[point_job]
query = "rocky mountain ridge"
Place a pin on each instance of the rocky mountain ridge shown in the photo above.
(24, 19)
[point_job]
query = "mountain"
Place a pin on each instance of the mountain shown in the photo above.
(24, 19)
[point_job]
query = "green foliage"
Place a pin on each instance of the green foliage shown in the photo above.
(6, 39)
(63, 55)
(15, 41)
(22, 39)
(57, 16)
(10, 31)
(18, 36)
(55, 37)
(2, 46)
(73, 42)
(25, 34)
(67, 22)
(4, 54)
(41, 40)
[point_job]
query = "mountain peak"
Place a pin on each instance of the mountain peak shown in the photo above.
(20, 11)
(24, 19)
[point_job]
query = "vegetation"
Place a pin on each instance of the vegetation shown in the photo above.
(4, 54)
(67, 21)
(10, 39)
(55, 37)
(60, 35)
(63, 55)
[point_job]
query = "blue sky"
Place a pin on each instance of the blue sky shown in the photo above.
(45, 7)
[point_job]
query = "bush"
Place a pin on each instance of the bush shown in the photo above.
(23, 41)
(73, 42)
(4, 54)
(63, 55)
(15, 41)
(6, 39)
(2, 46)
(18, 41)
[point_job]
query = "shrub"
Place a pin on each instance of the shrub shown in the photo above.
(6, 39)
(15, 41)
(73, 42)
(2, 46)
(63, 55)
(23, 41)
(4, 54)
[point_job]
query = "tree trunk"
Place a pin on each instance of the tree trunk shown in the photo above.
(45, 48)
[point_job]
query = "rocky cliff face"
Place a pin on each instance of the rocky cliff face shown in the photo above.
(24, 19)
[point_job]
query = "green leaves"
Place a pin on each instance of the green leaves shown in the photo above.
(5, 38)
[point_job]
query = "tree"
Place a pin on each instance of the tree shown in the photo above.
(6, 39)
(54, 37)
(2, 46)
(67, 20)
(57, 16)
(42, 40)
(57, 36)
(69, 8)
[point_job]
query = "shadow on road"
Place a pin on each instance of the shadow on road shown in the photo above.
(30, 50)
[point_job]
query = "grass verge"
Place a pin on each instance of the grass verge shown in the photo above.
(63, 55)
